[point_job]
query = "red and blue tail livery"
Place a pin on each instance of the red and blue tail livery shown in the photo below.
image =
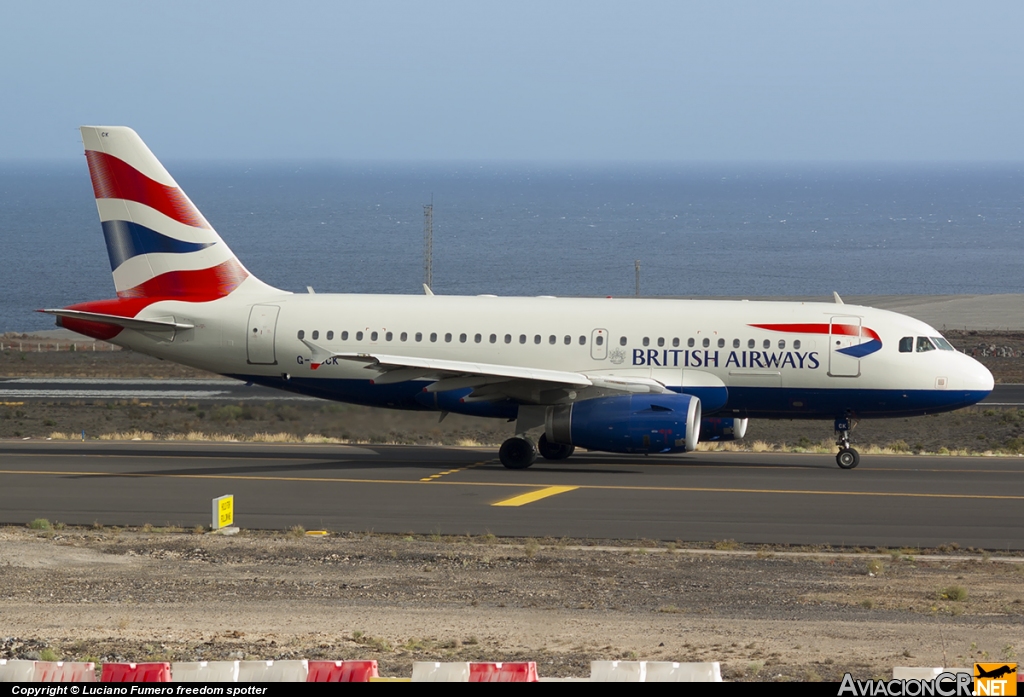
(160, 246)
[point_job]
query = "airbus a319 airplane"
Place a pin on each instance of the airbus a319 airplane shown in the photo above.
(615, 375)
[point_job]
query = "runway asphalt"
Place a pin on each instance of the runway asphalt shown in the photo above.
(889, 501)
(216, 390)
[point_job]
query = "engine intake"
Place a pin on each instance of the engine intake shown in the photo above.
(659, 423)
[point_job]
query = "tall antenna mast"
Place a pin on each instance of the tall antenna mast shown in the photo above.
(428, 243)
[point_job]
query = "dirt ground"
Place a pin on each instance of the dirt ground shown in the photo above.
(766, 613)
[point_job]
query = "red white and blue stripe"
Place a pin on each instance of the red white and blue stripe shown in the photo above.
(860, 350)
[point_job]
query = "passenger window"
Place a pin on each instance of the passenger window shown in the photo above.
(689, 342)
(647, 341)
(373, 336)
(675, 342)
(567, 340)
(782, 343)
(923, 344)
(330, 336)
(751, 344)
(316, 334)
(359, 336)
(404, 336)
(552, 339)
(522, 338)
(344, 336)
(419, 336)
(767, 343)
(433, 336)
(583, 341)
(706, 342)
(494, 338)
(508, 338)
(735, 343)
(622, 341)
(477, 338)
(796, 344)
(721, 343)
(448, 337)
(599, 340)
(462, 338)
(302, 334)
(387, 337)
(536, 338)
(661, 341)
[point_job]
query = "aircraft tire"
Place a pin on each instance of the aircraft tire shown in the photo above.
(847, 458)
(517, 453)
(554, 451)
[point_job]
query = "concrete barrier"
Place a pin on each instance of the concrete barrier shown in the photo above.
(64, 671)
(669, 671)
(273, 671)
(15, 670)
(341, 671)
(434, 671)
(618, 671)
(503, 672)
(204, 671)
(914, 673)
(136, 672)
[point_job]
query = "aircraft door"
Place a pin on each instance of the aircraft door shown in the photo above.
(843, 332)
(260, 334)
(599, 344)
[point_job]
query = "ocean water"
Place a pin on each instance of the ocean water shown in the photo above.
(533, 230)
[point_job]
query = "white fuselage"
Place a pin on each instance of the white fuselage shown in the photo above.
(798, 371)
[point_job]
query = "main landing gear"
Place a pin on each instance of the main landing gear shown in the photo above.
(519, 453)
(847, 457)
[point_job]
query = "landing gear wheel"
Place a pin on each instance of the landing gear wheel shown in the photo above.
(848, 458)
(554, 451)
(517, 453)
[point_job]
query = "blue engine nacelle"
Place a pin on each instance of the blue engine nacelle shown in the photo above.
(722, 429)
(650, 423)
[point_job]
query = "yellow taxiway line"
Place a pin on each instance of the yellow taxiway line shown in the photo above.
(524, 499)
(518, 485)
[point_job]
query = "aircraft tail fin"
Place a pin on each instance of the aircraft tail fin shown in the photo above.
(159, 244)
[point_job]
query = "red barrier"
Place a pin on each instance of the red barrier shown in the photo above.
(503, 672)
(136, 672)
(341, 671)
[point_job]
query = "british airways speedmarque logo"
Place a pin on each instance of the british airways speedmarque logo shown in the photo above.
(866, 348)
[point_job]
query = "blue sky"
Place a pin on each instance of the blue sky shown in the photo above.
(538, 81)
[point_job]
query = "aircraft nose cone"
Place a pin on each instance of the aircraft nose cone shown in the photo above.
(977, 378)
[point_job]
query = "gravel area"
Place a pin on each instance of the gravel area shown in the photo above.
(765, 613)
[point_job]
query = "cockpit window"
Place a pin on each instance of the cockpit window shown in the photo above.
(942, 343)
(907, 344)
(924, 344)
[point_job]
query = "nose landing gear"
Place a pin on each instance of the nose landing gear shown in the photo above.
(847, 458)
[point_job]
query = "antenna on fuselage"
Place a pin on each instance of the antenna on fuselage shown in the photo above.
(839, 301)
(428, 244)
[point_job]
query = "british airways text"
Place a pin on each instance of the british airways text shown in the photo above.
(689, 358)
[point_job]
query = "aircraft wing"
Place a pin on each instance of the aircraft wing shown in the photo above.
(489, 381)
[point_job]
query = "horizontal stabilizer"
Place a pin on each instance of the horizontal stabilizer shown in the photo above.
(142, 325)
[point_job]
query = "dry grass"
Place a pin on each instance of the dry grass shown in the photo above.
(134, 434)
(757, 446)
